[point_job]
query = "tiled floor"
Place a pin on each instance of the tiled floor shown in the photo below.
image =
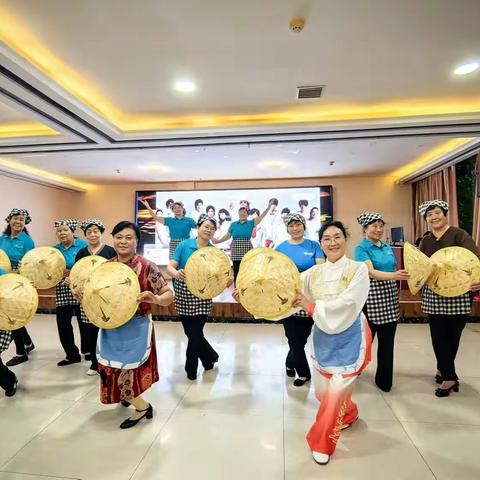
(243, 420)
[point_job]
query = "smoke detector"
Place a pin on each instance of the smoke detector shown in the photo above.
(297, 24)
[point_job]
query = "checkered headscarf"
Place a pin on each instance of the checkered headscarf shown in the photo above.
(19, 211)
(295, 217)
(429, 204)
(71, 224)
(366, 218)
(203, 218)
(90, 222)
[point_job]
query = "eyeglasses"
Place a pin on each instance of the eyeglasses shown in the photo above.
(335, 239)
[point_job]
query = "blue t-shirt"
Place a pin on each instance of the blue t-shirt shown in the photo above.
(179, 227)
(16, 247)
(241, 230)
(184, 251)
(303, 255)
(71, 252)
(382, 257)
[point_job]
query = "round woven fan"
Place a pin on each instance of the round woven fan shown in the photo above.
(110, 295)
(207, 272)
(455, 271)
(82, 269)
(18, 301)
(43, 266)
(267, 283)
(5, 262)
(418, 265)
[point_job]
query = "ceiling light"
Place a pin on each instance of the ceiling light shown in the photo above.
(184, 86)
(274, 164)
(155, 168)
(466, 68)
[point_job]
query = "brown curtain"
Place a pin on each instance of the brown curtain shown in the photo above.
(442, 186)
(476, 206)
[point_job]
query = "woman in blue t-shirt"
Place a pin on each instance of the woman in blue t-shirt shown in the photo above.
(179, 226)
(383, 304)
(193, 311)
(305, 254)
(16, 242)
(241, 233)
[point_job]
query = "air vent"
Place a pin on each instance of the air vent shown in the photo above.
(314, 91)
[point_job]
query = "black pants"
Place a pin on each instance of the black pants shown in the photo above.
(198, 346)
(386, 340)
(7, 377)
(92, 334)
(236, 268)
(65, 331)
(21, 339)
(446, 331)
(297, 331)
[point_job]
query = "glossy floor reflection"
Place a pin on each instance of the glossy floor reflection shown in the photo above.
(241, 420)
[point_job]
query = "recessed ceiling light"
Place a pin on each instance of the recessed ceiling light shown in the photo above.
(274, 164)
(184, 86)
(466, 68)
(155, 168)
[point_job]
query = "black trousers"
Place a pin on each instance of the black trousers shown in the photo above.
(65, 331)
(21, 339)
(7, 377)
(236, 268)
(198, 346)
(297, 331)
(446, 331)
(92, 333)
(385, 346)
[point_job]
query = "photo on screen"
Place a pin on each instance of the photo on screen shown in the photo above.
(314, 203)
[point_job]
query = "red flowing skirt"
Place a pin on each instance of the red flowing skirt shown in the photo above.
(117, 384)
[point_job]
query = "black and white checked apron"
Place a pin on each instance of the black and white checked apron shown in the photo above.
(239, 247)
(383, 303)
(173, 245)
(188, 304)
(437, 305)
(64, 296)
(5, 339)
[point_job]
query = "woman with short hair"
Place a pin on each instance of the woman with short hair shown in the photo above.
(135, 338)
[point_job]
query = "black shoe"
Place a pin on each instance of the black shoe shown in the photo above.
(13, 390)
(438, 379)
(192, 375)
(17, 360)
(69, 361)
(299, 382)
(29, 348)
(129, 423)
(290, 372)
(445, 392)
(125, 403)
(210, 366)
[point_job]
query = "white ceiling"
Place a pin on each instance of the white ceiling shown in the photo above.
(235, 162)
(245, 59)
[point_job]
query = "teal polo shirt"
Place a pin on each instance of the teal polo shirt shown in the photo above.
(71, 252)
(382, 257)
(16, 247)
(241, 230)
(179, 227)
(184, 251)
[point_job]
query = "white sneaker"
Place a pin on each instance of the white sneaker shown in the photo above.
(91, 372)
(320, 458)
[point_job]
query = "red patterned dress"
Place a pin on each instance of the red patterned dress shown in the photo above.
(119, 384)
